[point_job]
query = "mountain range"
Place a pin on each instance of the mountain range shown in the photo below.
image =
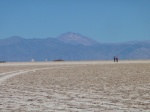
(70, 46)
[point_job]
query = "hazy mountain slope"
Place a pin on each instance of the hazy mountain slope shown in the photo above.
(140, 50)
(19, 49)
(38, 49)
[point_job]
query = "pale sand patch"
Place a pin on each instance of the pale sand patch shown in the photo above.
(77, 87)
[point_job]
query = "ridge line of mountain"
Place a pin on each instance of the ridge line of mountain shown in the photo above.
(20, 49)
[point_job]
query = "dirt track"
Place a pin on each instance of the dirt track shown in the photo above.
(75, 87)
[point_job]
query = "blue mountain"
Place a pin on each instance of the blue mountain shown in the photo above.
(70, 46)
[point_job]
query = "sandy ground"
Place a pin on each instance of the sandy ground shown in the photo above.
(94, 86)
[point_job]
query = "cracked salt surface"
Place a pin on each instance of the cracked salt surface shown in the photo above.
(92, 87)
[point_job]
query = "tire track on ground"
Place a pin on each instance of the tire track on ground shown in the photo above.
(7, 75)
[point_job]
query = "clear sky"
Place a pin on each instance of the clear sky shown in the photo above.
(103, 20)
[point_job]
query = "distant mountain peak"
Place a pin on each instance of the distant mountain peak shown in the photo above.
(76, 38)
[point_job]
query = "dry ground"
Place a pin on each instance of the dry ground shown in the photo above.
(75, 87)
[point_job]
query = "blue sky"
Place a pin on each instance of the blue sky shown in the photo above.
(103, 20)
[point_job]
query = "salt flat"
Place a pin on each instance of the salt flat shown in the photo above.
(83, 86)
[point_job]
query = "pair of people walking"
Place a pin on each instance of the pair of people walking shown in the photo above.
(116, 59)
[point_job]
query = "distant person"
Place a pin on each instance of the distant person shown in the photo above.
(117, 59)
(114, 58)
